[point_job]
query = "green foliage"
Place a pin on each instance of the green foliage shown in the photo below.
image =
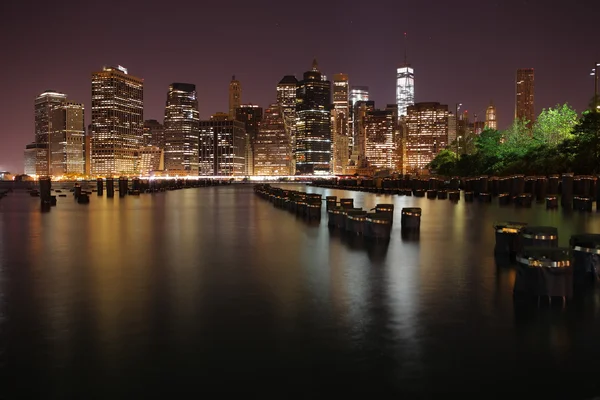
(558, 142)
(555, 124)
(444, 163)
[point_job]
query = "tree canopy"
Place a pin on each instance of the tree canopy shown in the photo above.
(558, 142)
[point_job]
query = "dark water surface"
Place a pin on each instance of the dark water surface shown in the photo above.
(212, 291)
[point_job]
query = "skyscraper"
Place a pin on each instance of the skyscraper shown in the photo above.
(427, 125)
(181, 130)
(272, 148)
(524, 108)
(251, 115)
(286, 98)
(451, 127)
(154, 133)
(117, 121)
(490, 117)
(340, 124)
(379, 138)
(358, 93)
(235, 96)
(222, 146)
(313, 124)
(45, 104)
(361, 108)
(405, 88)
(66, 146)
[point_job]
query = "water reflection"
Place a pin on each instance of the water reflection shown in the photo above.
(205, 284)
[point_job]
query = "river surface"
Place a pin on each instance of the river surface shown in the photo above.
(213, 291)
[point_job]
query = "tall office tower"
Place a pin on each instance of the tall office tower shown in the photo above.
(181, 130)
(33, 155)
(379, 139)
(491, 121)
(286, 97)
(154, 133)
(272, 147)
(117, 121)
(357, 93)
(427, 135)
(340, 124)
(361, 108)
(451, 127)
(405, 88)
(313, 124)
(235, 96)
(524, 108)
(45, 104)
(251, 115)
(222, 146)
(66, 145)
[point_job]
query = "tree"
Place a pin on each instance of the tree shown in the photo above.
(586, 143)
(517, 138)
(555, 124)
(444, 163)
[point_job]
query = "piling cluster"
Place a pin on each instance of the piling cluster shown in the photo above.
(544, 268)
(567, 190)
(375, 223)
(123, 186)
(304, 205)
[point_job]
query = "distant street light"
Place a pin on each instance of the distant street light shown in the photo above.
(595, 72)
(458, 106)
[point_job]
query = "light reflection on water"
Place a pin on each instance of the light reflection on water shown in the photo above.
(154, 292)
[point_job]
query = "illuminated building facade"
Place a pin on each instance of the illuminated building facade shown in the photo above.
(524, 107)
(182, 123)
(356, 94)
(66, 139)
(286, 98)
(151, 159)
(427, 133)
(312, 151)
(250, 115)
(222, 146)
(34, 153)
(44, 107)
(379, 139)
(451, 127)
(272, 147)
(359, 152)
(235, 96)
(340, 124)
(405, 88)
(154, 133)
(491, 121)
(117, 121)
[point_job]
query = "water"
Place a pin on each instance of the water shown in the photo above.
(213, 290)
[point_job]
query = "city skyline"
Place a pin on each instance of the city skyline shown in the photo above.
(440, 74)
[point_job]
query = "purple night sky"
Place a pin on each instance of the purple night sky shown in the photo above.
(464, 51)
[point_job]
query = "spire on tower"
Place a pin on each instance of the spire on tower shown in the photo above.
(315, 65)
(405, 46)
(233, 77)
